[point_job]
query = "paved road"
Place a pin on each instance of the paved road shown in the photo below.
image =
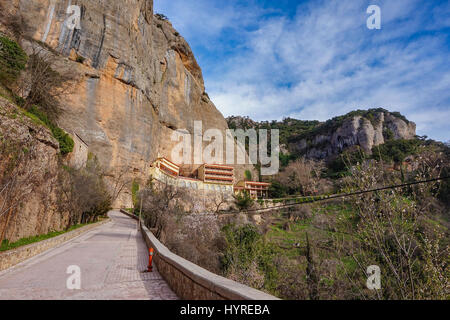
(111, 258)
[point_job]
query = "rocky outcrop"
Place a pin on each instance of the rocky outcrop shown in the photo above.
(323, 140)
(30, 153)
(353, 131)
(137, 78)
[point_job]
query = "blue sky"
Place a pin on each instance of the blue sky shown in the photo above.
(313, 60)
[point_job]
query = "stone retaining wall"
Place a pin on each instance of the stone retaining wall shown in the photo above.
(12, 257)
(191, 282)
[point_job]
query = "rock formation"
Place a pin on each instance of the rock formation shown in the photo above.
(137, 78)
(354, 131)
(38, 178)
(323, 140)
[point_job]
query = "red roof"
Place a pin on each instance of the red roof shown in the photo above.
(258, 183)
(219, 166)
(169, 161)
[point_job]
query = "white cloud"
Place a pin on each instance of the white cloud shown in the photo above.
(324, 62)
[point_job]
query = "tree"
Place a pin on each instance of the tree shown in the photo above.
(277, 190)
(219, 200)
(247, 258)
(302, 176)
(391, 232)
(119, 181)
(85, 194)
(18, 179)
(12, 61)
(160, 203)
(248, 175)
(243, 200)
(44, 84)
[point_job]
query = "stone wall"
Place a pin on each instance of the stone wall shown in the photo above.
(191, 282)
(12, 257)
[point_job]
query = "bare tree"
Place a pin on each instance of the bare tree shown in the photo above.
(11, 18)
(220, 199)
(302, 176)
(84, 193)
(390, 234)
(119, 181)
(160, 202)
(43, 83)
(18, 179)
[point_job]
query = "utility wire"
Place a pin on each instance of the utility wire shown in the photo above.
(344, 195)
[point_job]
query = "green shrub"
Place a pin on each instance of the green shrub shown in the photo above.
(245, 248)
(396, 150)
(277, 190)
(161, 16)
(66, 142)
(345, 161)
(248, 175)
(243, 200)
(12, 61)
(388, 134)
(134, 193)
(80, 59)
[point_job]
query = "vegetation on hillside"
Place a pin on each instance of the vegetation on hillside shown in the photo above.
(322, 250)
(33, 85)
(12, 61)
(84, 193)
(41, 87)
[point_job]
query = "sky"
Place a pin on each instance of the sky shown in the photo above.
(314, 60)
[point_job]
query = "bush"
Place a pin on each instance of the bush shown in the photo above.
(160, 16)
(285, 159)
(247, 258)
(80, 59)
(444, 191)
(277, 190)
(66, 143)
(134, 192)
(345, 161)
(12, 61)
(243, 200)
(248, 175)
(396, 150)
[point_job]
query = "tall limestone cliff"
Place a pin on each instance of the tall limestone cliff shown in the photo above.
(137, 78)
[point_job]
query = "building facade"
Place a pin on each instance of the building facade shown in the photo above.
(216, 174)
(167, 172)
(257, 190)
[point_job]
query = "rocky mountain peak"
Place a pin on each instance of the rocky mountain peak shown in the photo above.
(321, 140)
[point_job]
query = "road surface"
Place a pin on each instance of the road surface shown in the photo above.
(111, 259)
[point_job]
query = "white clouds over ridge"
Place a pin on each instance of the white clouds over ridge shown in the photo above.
(322, 61)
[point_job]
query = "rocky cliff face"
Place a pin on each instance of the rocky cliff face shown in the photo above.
(34, 155)
(137, 78)
(359, 130)
(323, 140)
